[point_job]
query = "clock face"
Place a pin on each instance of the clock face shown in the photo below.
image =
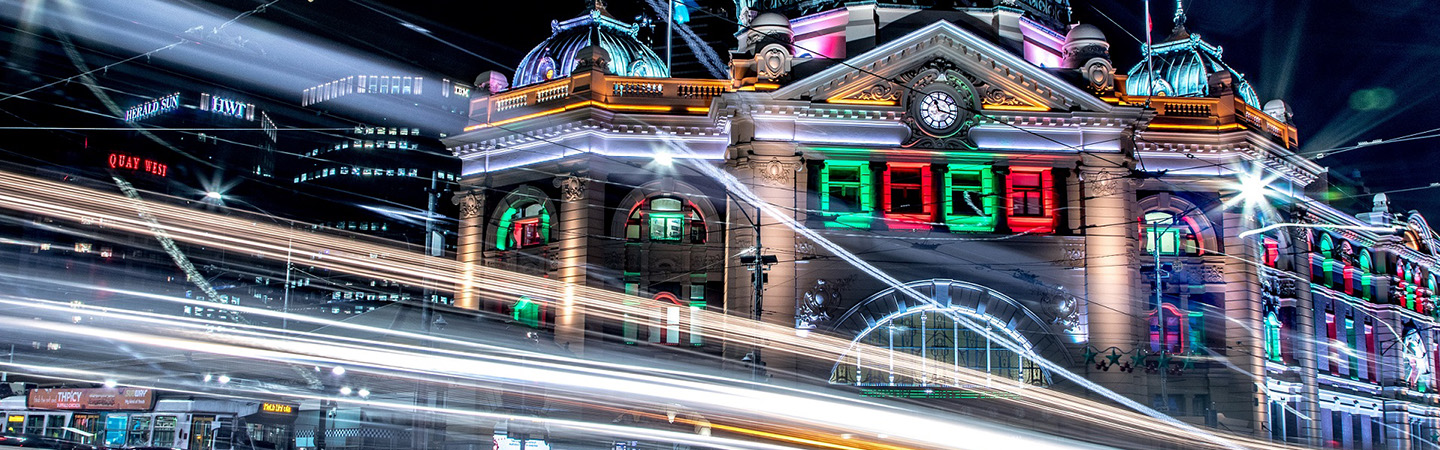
(938, 110)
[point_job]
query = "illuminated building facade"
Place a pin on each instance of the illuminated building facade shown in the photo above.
(988, 157)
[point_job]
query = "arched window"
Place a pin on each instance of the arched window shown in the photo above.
(1272, 336)
(1363, 271)
(1174, 336)
(525, 224)
(670, 322)
(945, 345)
(1328, 265)
(666, 219)
(1171, 235)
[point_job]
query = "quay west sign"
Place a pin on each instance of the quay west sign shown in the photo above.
(136, 163)
(153, 108)
(98, 399)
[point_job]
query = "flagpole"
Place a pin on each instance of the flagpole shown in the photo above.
(1149, 61)
(669, 25)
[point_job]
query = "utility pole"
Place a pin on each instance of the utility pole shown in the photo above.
(424, 429)
(5, 376)
(758, 262)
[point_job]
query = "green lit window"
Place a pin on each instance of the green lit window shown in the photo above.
(969, 198)
(1272, 337)
(630, 330)
(528, 312)
(668, 220)
(667, 226)
(845, 192)
(1169, 235)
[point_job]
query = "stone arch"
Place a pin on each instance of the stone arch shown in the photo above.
(671, 187)
(1001, 316)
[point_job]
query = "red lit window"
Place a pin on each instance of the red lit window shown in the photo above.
(1170, 338)
(908, 195)
(1032, 199)
(1332, 357)
(527, 232)
(1370, 352)
(1272, 252)
(1027, 194)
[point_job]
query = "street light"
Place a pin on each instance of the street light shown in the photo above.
(214, 195)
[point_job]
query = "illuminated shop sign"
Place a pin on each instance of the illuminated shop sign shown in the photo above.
(278, 408)
(227, 107)
(153, 108)
(101, 399)
(136, 163)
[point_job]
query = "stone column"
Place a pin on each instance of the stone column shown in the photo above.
(1303, 335)
(470, 248)
(1112, 273)
(770, 170)
(581, 215)
(1242, 400)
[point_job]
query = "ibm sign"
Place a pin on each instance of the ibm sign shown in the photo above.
(227, 107)
(153, 108)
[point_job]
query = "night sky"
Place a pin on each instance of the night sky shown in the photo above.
(1352, 70)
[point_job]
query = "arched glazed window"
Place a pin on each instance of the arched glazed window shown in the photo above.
(523, 224)
(666, 219)
(967, 336)
(945, 345)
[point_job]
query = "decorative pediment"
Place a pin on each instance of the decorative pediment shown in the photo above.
(1003, 80)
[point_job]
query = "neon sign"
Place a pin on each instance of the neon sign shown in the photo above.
(136, 163)
(227, 107)
(153, 108)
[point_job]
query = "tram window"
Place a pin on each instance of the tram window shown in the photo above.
(164, 430)
(140, 431)
(54, 425)
(34, 424)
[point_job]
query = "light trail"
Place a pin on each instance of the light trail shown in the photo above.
(69, 202)
(711, 397)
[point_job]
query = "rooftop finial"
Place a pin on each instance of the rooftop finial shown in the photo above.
(597, 6)
(1179, 32)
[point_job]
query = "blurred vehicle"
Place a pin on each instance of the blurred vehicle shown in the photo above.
(33, 441)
